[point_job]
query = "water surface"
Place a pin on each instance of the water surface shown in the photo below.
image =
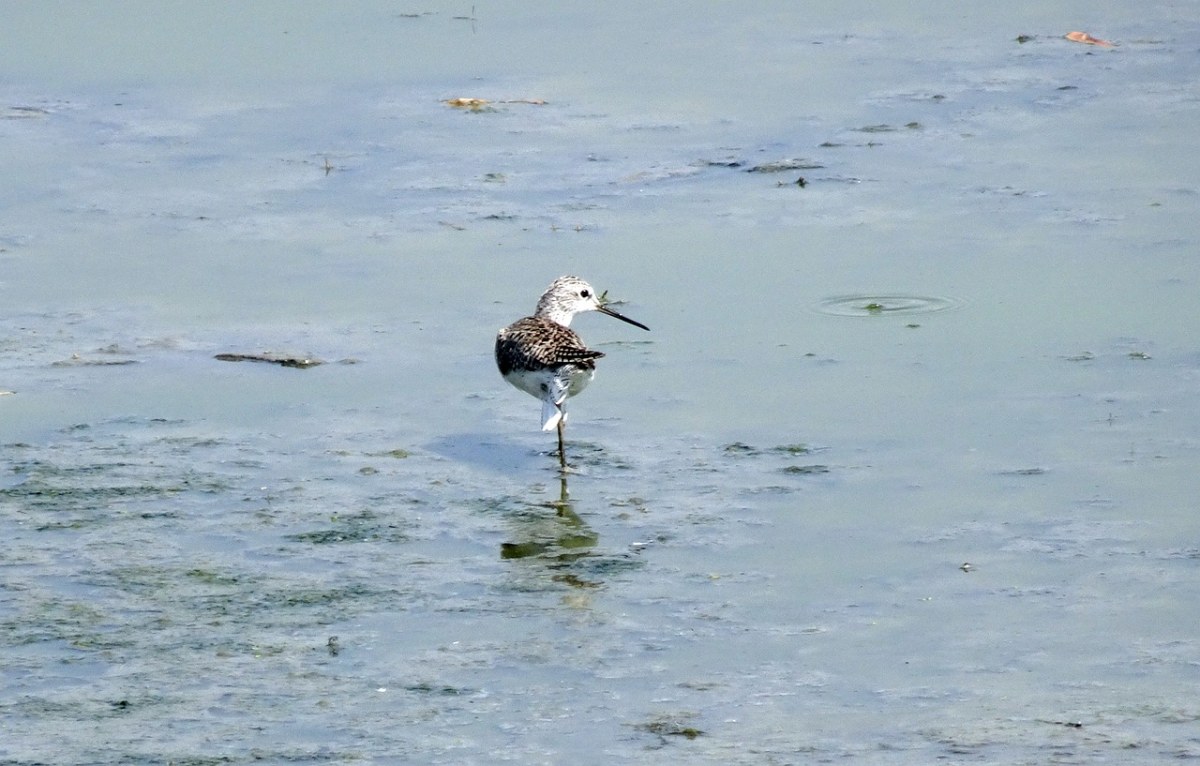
(904, 472)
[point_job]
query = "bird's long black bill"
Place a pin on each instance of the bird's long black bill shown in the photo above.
(623, 318)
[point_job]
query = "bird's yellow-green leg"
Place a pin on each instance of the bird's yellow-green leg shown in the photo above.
(562, 454)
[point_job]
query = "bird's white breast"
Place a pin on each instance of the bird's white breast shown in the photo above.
(541, 383)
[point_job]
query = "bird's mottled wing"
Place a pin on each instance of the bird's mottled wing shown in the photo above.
(534, 343)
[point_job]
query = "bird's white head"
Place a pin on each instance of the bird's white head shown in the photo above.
(568, 296)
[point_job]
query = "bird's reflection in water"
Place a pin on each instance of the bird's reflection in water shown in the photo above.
(560, 538)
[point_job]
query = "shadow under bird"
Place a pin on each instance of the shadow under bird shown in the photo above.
(545, 358)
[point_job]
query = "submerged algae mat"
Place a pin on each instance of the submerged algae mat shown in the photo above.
(174, 595)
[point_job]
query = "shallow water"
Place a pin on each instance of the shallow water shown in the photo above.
(904, 471)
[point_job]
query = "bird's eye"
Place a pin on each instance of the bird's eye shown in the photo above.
(584, 294)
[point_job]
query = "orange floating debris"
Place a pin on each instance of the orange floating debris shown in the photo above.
(482, 103)
(467, 103)
(1084, 37)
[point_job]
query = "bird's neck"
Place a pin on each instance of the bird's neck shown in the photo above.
(557, 316)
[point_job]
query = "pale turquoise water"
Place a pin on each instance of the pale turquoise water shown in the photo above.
(759, 560)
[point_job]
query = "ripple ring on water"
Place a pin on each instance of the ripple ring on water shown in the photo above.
(885, 305)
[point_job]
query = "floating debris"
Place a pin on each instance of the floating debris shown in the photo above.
(435, 689)
(398, 453)
(1024, 472)
(780, 166)
(1068, 724)
(23, 113)
(1084, 37)
(467, 103)
(794, 449)
(806, 470)
(483, 104)
(740, 448)
(667, 726)
(299, 362)
(78, 361)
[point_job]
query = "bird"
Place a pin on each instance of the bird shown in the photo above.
(542, 356)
